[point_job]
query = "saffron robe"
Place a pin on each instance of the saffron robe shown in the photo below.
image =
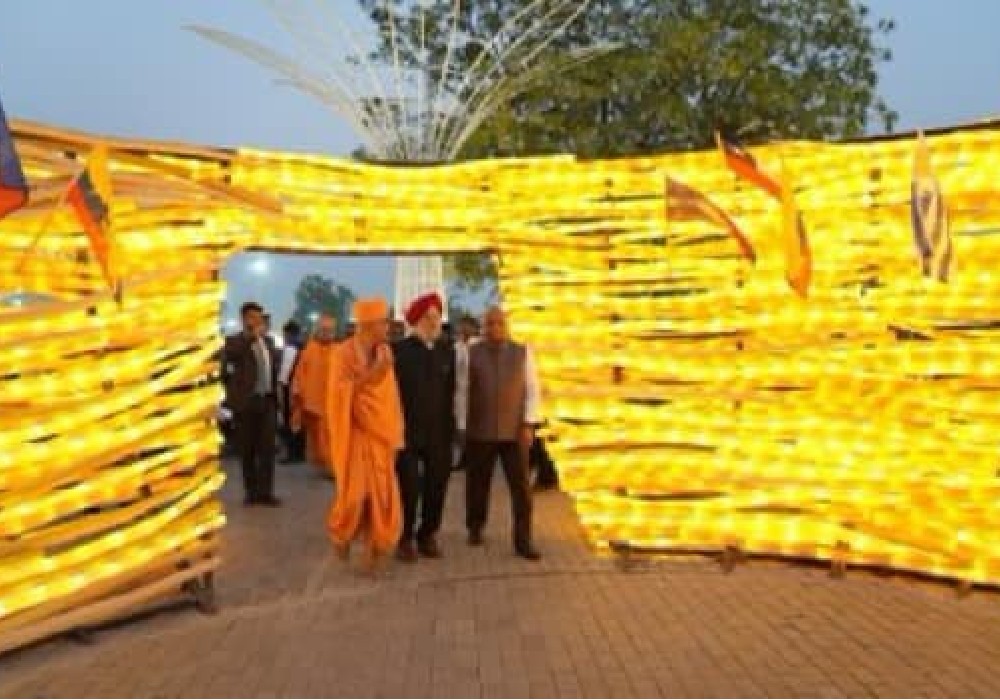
(366, 430)
(310, 388)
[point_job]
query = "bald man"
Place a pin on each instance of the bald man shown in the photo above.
(310, 385)
(365, 419)
(502, 409)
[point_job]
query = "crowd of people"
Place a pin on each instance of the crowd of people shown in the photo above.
(388, 410)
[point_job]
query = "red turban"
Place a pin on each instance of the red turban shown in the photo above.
(422, 305)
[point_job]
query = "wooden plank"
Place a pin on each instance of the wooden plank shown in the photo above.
(77, 140)
(104, 611)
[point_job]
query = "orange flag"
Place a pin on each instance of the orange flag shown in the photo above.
(795, 241)
(798, 257)
(744, 165)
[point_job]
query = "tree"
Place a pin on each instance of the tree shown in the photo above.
(457, 311)
(756, 69)
(317, 295)
(471, 273)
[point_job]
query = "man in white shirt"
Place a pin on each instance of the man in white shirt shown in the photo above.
(293, 439)
(503, 402)
(468, 335)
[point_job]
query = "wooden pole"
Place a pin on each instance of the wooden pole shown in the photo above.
(230, 192)
(46, 222)
(106, 610)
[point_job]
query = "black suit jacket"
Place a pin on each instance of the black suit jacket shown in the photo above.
(239, 369)
(426, 380)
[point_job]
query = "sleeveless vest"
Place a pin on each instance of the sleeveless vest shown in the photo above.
(498, 390)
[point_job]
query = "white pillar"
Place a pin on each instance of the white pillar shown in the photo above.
(415, 276)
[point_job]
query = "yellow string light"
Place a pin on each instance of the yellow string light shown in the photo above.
(694, 402)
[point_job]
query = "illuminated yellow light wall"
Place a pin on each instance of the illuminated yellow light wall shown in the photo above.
(694, 401)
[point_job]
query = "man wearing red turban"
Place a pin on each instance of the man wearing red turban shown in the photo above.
(425, 371)
(421, 305)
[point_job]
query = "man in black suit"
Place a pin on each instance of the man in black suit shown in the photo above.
(250, 364)
(425, 372)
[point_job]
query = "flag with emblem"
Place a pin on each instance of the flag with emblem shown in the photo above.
(929, 216)
(90, 197)
(13, 186)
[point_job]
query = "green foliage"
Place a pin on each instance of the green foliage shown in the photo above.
(471, 273)
(317, 295)
(756, 69)
(457, 311)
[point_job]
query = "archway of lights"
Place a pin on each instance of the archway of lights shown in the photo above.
(694, 401)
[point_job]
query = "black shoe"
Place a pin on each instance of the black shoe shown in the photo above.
(249, 501)
(428, 547)
(528, 552)
(475, 538)
(270, 502)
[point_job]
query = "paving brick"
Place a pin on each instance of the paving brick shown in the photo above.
(480, 623)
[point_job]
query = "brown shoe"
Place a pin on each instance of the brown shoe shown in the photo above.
(406, 552)
(428, 547)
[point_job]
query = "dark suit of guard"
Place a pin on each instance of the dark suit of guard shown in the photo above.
(250, 375)
(426, 378)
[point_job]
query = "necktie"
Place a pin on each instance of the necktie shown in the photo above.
(263, 368)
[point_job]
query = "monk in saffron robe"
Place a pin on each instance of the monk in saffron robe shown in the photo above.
(366, 431)
(310, 389)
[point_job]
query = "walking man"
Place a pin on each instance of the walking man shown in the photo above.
(503, 406)
(310, 387)
(425, 371)
(468, 335)
(250, 376)
(291, 436)
(366, 430)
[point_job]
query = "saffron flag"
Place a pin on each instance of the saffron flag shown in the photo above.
(929, 216)
(744, 165)
(683, 202)
(13, 186)
(90, 196)
(798, 256)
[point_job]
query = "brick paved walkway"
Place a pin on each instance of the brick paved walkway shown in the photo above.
(295, 622)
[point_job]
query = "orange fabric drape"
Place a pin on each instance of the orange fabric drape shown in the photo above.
(310, 387)
(366, 430)
(318, 441)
